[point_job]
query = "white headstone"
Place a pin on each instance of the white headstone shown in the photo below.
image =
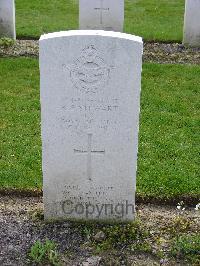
(90, 101)
(101, 15)
(192, 23)
(7, 19)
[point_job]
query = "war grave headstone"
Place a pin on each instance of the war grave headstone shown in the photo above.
(101, 15)
(90, 101)
(7, 19)
(192, 23)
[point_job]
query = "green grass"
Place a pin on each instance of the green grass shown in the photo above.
(168, 149)
(187, 247)
(36, 17)
(151, 19)
(45, 253)
(155, 19)
(169, 133)
(20, 164)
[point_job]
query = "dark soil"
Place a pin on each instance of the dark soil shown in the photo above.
(21, 224)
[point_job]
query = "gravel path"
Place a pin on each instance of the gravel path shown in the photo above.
(20, 227)
(28, 48)
(172, 53)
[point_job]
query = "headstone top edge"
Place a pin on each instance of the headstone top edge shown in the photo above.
(101, 33)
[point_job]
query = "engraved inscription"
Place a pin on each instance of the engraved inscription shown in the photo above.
(89, 72)
(85, 114)
(91, 105)
(77, 125)
(92, 193)
(101, 9)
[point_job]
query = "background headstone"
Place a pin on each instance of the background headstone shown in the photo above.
(101, 15)
(192, 23)
(90, 101)
(7, 19)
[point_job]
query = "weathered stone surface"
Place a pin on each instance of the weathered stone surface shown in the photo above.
(192, 23)
(7, 19)
(90, 100)
(101, 15)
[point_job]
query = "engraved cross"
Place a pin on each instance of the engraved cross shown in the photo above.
(101, 9)
(89, 153)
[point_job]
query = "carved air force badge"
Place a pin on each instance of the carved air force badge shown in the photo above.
(89, 72)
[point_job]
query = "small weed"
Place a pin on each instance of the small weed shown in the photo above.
(87, 231)
(142, 247)
(160, 254)
(37, 215)
(125, 234)
(45, 253)
(180, 224)
(130, 235)
(6, 42)
(187, 247)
